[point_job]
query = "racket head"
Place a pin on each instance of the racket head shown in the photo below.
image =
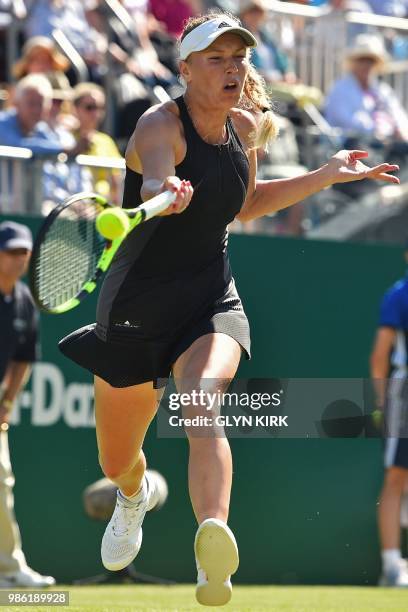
(66, 252)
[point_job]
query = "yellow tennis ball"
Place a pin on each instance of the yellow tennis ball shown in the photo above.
(378, 418)
(112, 223)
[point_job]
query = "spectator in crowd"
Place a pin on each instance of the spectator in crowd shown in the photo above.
(39, 55)
(144, 66)
(25, 125)
(365, 107)
(137, 53)
(390, 355)
(10, 11)
(18, 349)
(89, 106)
(152, 32)
(44, 16)
(59, 119)
(155, 44)
(269, 60)
(173, 13)
(63, 178)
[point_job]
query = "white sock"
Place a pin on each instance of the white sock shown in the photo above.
(136, 497)
(390, 557)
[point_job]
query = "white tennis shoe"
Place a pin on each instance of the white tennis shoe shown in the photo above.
(25, 577)
(123, 535)
(396, 575)
(216, 553)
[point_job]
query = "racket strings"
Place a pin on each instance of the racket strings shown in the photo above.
(69, 253)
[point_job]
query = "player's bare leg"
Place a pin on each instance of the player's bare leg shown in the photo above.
(395, 572)
(122, 419)
(210, 363)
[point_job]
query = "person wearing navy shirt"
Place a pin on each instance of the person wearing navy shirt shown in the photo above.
(18, 349)
(389, 368)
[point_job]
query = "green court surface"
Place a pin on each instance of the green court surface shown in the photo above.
(245, 598)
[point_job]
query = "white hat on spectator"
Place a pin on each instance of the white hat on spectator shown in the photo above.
(368, 45)
(15, 236)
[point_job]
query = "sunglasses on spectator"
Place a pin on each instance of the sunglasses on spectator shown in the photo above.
(368, 59)
(92, 107)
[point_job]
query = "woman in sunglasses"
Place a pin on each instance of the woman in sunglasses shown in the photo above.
(89, 106)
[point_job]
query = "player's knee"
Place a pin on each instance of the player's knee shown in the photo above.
(114, 467)
(206, 391)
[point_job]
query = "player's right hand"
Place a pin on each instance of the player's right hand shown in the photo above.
(182, 189)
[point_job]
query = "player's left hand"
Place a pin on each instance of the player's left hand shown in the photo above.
(345, 166)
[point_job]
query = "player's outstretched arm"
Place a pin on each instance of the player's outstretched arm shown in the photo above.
(343, 167)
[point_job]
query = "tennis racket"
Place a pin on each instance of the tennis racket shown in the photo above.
(70, 255)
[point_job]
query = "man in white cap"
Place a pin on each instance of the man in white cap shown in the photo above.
(18, 349)
(360, 104)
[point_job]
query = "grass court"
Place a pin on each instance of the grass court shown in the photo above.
(179, 598)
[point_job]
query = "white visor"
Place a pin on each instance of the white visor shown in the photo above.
(204, 35)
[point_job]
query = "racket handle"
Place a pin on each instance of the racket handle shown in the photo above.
(157, 204)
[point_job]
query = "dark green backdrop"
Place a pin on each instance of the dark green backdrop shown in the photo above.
(303, 510)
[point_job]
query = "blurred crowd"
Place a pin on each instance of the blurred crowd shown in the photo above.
(84, 71)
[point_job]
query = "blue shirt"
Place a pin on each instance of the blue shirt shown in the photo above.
(375, 111)
(41, 140)
(60, 179)
(394, 313)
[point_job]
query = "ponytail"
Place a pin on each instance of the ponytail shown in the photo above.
(256, 100)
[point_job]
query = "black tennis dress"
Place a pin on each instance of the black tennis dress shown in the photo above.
(155, 301)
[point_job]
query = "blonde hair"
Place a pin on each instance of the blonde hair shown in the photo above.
(257, 101)
(255, 97)
(86, 89)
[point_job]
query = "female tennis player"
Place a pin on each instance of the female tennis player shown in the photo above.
(173, 306)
